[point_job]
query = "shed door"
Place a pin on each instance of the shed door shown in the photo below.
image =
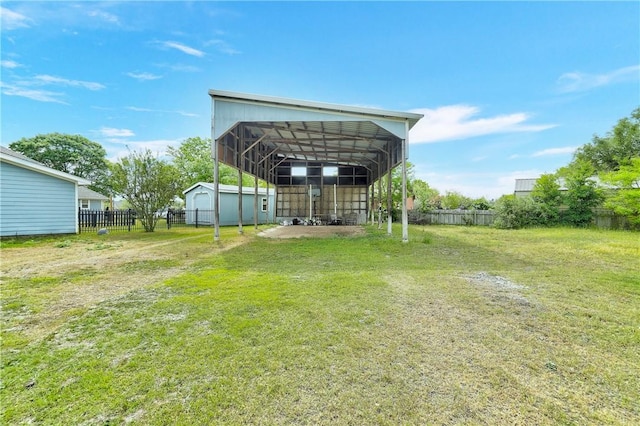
(202, 202)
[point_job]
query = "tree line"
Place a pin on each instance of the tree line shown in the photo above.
(602, 173)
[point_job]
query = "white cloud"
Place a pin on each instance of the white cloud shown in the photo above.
(179, 67)
(580, 82)
(12, 20)
(111, 132)
(182, 113)
(104, 16)
(143, 76)
(183, 48)
(223, 47)
(187, 114)
(454, 122)
(10, 64)
(157, 146)
(49, 79)
(555, 151)
(36, 95)
(491, 185)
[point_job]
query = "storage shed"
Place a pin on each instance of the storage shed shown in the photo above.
(36, 199)
(200, 206)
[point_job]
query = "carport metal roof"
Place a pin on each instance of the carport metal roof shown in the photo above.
(251, 129)
(256, 133)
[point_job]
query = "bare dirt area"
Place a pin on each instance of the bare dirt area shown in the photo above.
(301, 231)
(84, 273)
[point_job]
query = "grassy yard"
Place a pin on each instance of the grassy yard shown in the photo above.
(462, 325)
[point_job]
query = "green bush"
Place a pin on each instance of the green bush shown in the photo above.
(515, 213)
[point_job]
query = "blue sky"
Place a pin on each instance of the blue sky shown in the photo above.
(508, 89)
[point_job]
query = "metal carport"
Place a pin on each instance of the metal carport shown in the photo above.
(257, 134)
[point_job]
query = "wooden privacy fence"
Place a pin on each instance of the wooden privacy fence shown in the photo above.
(453, 217)
(607, 219)
(602, 218)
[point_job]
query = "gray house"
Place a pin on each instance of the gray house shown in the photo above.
(89, 199)
(36, 199)
(201, 197)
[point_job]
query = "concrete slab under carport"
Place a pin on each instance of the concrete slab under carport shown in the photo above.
(301, 231)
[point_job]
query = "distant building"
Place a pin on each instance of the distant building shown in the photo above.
(200, 197)
(91, 200)
(524, 187)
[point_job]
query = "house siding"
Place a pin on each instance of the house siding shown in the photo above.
(26, 194)
(95, 205)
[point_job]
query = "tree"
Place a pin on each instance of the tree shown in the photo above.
(582, 194)
(546, 191)
(396, 189)
(625, 199)
(195, 164)
(481, 204)
(72, 154)
(426, 198)
(519, 212)
(608, 153)
(147, 183)
(454, 200)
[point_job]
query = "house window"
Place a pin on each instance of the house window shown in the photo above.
(264, 204)
(84, 204)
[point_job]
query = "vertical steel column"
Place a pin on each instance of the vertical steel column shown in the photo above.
(255, 188)
(372, 199)
(267, 177)
(216, 177)
(389, 194)
(405, 217)
(380, 192)
(239, 151)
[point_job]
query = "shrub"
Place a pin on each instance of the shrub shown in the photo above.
(514, 213)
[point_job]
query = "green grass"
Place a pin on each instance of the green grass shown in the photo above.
(462, 325)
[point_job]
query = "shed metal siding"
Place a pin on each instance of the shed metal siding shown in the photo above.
(33, 203)
(229, 206)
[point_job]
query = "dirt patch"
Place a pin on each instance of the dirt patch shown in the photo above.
(300, 231)
(499, 288)
(91, 272)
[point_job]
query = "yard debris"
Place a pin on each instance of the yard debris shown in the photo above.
(103, 231)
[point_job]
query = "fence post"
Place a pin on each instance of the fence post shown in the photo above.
(168, 219)
(129, 220)
(196, 218)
